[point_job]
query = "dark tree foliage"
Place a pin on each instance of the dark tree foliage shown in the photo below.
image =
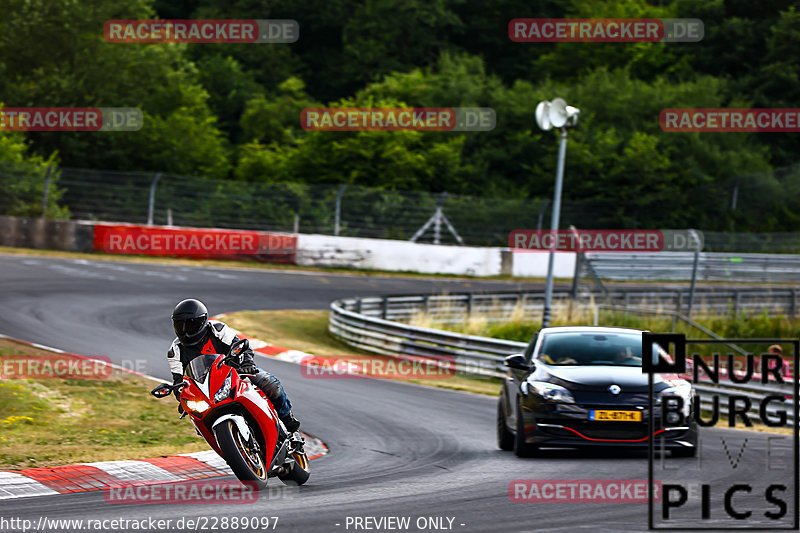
(232, 111)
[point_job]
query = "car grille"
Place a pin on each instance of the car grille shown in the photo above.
(596, 430)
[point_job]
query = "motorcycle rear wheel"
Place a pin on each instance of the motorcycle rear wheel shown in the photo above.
(300, 470)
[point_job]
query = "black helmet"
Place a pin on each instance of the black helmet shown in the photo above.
(189, 320)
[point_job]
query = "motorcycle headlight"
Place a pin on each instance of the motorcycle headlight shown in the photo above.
(224, 391)
(551, 392)
(197, 406)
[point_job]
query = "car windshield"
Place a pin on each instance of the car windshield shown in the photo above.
(199, 366)
(578, 349)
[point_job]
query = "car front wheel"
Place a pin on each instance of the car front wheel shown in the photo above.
(505, 439)
(522, 448)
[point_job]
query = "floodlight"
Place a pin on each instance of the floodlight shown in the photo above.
(561, 114)
(549, 115)
(542, 116)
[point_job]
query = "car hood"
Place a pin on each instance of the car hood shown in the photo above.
(598, 376)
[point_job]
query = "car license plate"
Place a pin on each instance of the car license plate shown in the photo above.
(615, 416)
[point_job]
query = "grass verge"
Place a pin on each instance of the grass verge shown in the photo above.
(49, 422)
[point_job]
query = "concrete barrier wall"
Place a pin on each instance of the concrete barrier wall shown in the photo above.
(534, 264)
(45, 234)
(311, 250)
(195, 243)
(405, 256)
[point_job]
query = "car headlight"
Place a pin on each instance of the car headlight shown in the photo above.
(224, 391)
(551, 392)
(682, 390)
(197, 406)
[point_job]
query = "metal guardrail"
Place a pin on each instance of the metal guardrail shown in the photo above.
(712, 266)
(500, 305)
(370, 324)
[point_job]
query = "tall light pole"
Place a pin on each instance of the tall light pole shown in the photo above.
(559, 115)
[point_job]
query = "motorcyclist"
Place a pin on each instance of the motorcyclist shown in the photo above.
(197, 335)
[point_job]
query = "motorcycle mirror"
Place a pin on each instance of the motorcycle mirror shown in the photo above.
(239, 347)
(161, 391)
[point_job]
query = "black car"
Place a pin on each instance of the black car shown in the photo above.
(583, 386)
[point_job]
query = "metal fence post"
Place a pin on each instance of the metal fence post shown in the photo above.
(358, 306)
(46, 189)
(338, 209)
(384, 307)
(694, 273)
(576, 277)
(152, 202)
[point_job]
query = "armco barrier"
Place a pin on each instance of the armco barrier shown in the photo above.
(500, 305)
(358, 322)
(677, 266)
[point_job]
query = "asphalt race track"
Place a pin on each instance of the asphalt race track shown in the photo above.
(395, 449)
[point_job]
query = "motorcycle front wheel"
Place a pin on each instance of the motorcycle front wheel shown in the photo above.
(245, 460)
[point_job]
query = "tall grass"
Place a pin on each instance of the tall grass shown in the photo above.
(519, 327)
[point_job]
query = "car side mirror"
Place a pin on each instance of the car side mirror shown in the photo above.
(517, 362)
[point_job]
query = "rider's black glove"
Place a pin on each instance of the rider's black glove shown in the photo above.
(248, 365)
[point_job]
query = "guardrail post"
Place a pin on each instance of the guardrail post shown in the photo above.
(469, 305)
(358, 305)
(793, 304)
(384, 307)
(737, 296)
(426, 303)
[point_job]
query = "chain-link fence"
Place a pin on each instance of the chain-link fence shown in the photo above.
(161, 198)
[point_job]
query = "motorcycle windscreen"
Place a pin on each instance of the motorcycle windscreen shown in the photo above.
(198, 368)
